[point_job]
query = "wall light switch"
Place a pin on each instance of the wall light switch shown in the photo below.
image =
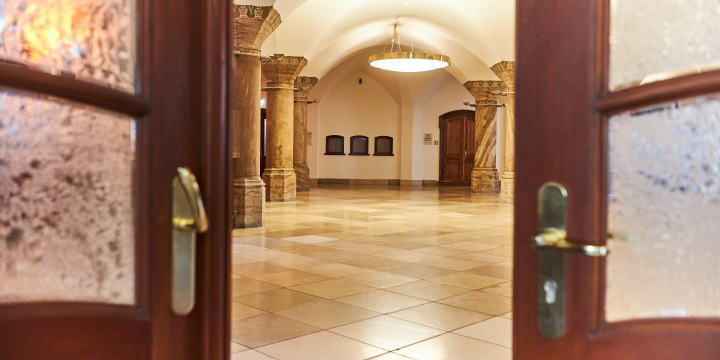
(436, 142)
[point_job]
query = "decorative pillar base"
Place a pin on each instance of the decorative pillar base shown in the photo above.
(507, 191)
(279, 184)
(248, 203)
(302, 177)
(485, 180)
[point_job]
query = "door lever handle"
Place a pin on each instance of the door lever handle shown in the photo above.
(555, 239)
(198, 221)
(188, 219)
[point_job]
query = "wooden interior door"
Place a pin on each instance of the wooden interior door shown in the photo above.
(457, 147)
(102, 102)
(629, 127)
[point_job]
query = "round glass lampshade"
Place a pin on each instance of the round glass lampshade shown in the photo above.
(409, 61)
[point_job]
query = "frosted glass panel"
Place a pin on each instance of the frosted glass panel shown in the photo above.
(92, 40)
(652, 40)
(663, 212)
(66, 202)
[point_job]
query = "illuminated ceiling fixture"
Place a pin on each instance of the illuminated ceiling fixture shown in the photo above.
(407, 61)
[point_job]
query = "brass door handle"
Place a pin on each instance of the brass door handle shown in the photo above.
(198, 221)
(188, 219)
(552, 245)
(555, 239)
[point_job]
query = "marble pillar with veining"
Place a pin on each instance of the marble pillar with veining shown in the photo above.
(505, 70)
(302, 171)
(485, 177)
(279, 176)
(251, 26)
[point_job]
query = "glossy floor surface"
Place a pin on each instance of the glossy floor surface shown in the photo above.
(368, 272)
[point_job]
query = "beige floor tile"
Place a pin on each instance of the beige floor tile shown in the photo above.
(508, 315)
(256, 268)
(298, 262)
(481, 302)
(505, 250)
(410, 256)
(497, 330)
(452, 264)
(440, 316)
(391, 356)
(335, 270)
(243, 286)
(335, 255)
(267, 329)
(235, 347)
(241, 311)
(500, 271)
(456, 347)
(428, 290)
(245, 248)
(379, 279)
(500, 240)
(310, 239)
(249, 355)
(327, 314)
(504, 289)
(381, 301)
(484, 257)
(321, 346)
(276, 300)
(331, 289)
(474, 245)
(417, 271)
(441, 251)
(387, 332)
(469, 281)
(374, 262)
(289, 278)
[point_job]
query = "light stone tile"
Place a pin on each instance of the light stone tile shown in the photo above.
(497, 330)
(455, 347)
(320, 345)
(387, 332)
(381, 301)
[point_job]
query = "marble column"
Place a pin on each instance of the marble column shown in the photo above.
(485, 177)
(279, 176)
(251, 26)
(505, 70)
(302, 171)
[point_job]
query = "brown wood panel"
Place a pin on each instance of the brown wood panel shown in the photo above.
(457, 147)
(562, 48)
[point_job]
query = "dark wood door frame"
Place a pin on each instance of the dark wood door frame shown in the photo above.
(442, 122)
(182, 113)
(563, 48)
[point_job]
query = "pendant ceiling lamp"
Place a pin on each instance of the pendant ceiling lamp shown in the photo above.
(407, 61)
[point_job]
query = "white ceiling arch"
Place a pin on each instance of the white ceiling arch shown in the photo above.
(475, 33)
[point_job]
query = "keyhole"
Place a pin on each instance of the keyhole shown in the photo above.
(550, 287)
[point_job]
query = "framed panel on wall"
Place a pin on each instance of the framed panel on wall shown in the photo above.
(359, 145)
(383, 146)
(334, 145)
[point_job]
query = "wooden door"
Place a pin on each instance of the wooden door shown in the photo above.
(631, 132)
(457, 147)
(102, 102)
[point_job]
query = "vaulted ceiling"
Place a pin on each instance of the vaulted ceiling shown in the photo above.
(475, 33)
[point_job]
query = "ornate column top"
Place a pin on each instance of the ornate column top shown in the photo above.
(505, 70)
(281, 70)
(304, 83)
(484, 91)
(252, 25)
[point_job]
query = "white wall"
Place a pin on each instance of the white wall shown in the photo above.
(354, 109)
(403, 106)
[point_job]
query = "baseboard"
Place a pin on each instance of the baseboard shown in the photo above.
(411, 182)
(367, 181)
(430, 183)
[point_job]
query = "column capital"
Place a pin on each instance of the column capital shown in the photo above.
(252, 25)
(305, 84)
(281, 71)
(484, 91)
(505, 70)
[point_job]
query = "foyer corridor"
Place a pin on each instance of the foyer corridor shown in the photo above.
(375, 272)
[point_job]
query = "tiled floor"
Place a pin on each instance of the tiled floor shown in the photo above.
(369, 272)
